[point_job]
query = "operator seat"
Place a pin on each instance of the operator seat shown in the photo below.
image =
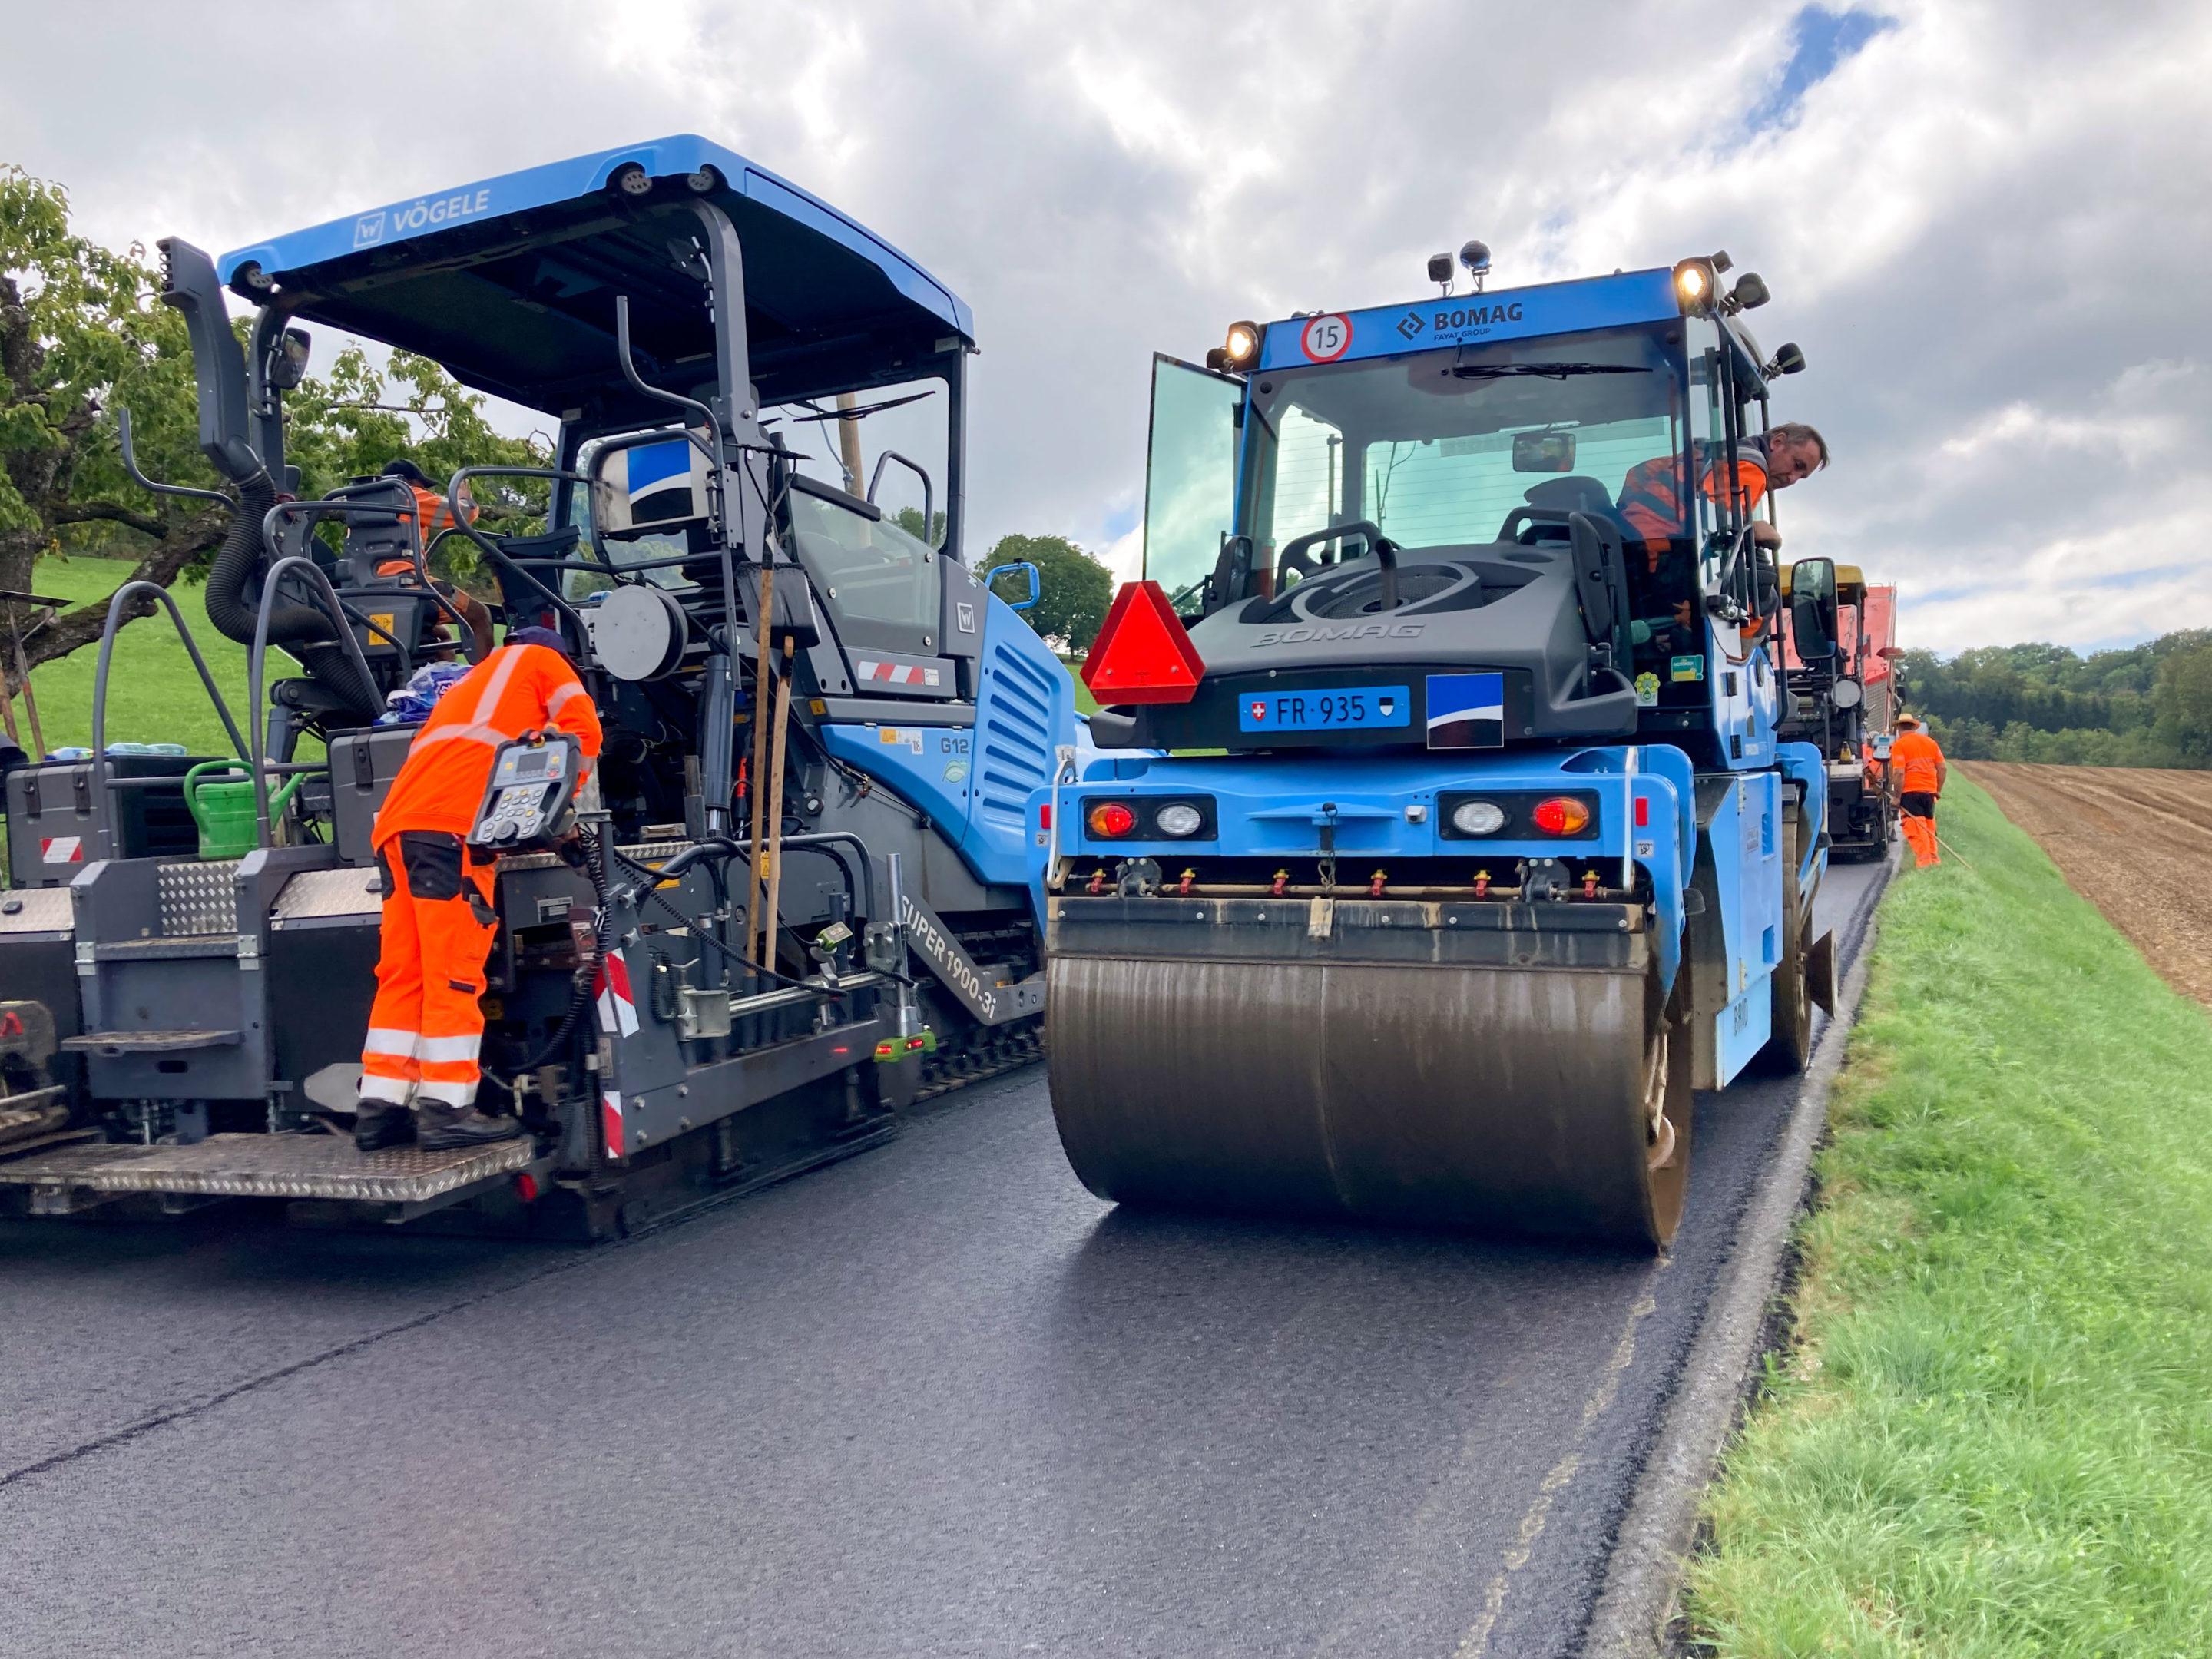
(1545, 518)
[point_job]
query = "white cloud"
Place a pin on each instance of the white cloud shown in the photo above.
(1985, 229)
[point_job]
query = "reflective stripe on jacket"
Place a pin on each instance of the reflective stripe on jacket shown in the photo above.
(1651, 494)
(1913, 758)
(517, 689)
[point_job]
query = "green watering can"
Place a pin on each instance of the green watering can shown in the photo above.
(224, 812)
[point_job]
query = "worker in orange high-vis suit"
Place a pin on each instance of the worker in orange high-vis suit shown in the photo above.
(418, 1067)
(1918, 764)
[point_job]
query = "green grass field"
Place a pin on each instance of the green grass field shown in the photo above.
(1995, 1437)
(154, 696)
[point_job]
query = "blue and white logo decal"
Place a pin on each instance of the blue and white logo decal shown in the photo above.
(368, 229)
(1466, 711)
(660, 479)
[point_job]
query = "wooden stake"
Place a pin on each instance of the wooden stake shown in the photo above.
(775, 809)
(23, 677)
(760, 755)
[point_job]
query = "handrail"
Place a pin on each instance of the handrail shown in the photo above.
(257, 664)
(492, 550)
(130, 468)
(928, 489)
(116, 606)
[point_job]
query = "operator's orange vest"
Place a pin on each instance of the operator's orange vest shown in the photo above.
(517, 689)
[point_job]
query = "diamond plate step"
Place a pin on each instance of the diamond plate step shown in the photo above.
(270, 1166)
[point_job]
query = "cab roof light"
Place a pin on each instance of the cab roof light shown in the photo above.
(1142, 653)
(1696, 287)
(1240, 348)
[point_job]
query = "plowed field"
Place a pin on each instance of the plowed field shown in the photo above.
(2136, 843)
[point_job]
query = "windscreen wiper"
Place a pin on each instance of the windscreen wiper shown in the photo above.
(1549, 371)
(818, 413)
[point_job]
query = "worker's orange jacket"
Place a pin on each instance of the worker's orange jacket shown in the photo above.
(1913, 758)
(1652, 495)
(430, 514)
(517, 689)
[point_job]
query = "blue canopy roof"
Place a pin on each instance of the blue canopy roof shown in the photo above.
(510, 281)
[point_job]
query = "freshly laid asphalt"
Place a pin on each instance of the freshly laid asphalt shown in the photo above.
(937, 1400)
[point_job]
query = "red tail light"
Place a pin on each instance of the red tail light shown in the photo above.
(1562, 815)
(1110, 820)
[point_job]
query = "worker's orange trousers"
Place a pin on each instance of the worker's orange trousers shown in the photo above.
(427, 1025)
(1920, 833)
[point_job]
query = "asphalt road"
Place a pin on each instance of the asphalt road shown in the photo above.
(937, 1400)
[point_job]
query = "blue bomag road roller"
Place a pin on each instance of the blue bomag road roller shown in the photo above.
(797, 898)
(1440, 842)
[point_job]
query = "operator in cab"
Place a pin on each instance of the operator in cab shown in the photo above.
(1917, 762)
(419, 1069)
(1652, 502)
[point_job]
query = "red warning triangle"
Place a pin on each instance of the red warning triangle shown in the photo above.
(1142, 653)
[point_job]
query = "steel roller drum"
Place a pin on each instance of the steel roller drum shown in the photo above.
(1513, 1099)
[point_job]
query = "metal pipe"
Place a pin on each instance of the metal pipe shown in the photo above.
(116, 606)
(256, 664)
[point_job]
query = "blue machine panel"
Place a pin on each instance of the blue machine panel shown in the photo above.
(1513, 314)
(580, 176)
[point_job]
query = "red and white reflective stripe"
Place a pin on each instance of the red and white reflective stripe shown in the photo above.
(386, 1040)
(436, 1048)
(897, 673)
(62, 850)
(611, 1117)
(617, 1012)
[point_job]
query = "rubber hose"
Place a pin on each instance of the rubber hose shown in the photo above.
(595, 871)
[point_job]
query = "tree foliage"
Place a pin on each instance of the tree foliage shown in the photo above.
(2144, 705)
(83, 332)
(1075, 589)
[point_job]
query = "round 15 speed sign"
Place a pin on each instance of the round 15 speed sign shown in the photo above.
(1326, 338)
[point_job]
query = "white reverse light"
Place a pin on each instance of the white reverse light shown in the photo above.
(1178, 819)
(1478, 817)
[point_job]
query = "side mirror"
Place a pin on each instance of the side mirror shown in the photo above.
(1543, 452)
(1036, 584)
(1813, 619)
(288, 364)
(638, 489)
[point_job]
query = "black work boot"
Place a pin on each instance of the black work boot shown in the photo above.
(378, 1124)
(442, 1128)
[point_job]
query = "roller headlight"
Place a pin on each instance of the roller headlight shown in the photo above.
(1179, 818)
(1239, 349)
(1696, 287)
(1478, 817)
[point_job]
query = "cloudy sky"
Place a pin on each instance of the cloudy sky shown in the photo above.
(1985, 223)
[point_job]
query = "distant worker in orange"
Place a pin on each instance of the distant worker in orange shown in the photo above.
(1921, 772)
(419, 1068)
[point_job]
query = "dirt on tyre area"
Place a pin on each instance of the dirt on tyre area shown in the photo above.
(2136, 843)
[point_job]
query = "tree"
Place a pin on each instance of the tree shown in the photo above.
(82, 332)
(1075, 589)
